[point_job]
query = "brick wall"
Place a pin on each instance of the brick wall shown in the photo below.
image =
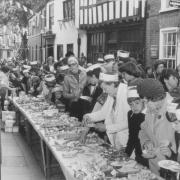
(152, 29)
(170, 19)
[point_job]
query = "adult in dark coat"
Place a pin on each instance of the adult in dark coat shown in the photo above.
(134, 123)
(92, 89)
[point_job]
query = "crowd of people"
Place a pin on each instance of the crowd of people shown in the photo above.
(124, 103)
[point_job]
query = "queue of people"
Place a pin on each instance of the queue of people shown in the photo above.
(126, 105)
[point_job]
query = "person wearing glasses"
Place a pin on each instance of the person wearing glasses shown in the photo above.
(157, 136)
(74, 83)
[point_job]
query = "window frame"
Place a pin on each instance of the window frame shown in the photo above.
(169, 8)
(68, 9)
(162, 45)
(60, 51)
(70, 47)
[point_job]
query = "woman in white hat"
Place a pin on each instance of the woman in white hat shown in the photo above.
(113, 112)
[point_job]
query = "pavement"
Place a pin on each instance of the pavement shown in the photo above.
(18, 162)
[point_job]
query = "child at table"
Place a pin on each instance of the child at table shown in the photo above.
(157, 136)
(135, 117)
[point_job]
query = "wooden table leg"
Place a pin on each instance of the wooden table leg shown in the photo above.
(43, 156)
(48, 161)
(28, 132)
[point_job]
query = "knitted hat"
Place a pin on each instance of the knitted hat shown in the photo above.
(150, 89)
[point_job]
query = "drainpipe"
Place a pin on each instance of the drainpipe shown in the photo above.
(79, 45)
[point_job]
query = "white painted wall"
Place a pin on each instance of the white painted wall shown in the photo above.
(67, 32)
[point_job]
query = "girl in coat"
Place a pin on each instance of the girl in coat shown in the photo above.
(157, 136)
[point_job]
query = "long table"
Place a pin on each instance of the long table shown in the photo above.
(47, 144)
(64, 163)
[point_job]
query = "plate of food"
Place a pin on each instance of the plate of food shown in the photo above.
(117, 164)
(70, 154)
(129, 170)
(168, 164)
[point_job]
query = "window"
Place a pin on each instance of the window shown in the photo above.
(32, 57)
(70, 47)
(36, 52)
(59, 51)
(44, 13)
(96, 46)
(1, 54)
(68, 9)
(168, 40)
(8, 54)
(51, 16)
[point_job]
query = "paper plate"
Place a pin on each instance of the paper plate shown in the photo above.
(70, 154)
(129, 170)
(117, 164)
(168, 164)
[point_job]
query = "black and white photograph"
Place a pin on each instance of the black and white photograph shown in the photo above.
(89, 89)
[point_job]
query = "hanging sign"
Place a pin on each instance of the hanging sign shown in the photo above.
(154, 51)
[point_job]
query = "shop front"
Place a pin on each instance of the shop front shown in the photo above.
(49, 38)
(113, 25)
(111, 38)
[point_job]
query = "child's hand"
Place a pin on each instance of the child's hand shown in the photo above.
(164, 150)
(86, 120)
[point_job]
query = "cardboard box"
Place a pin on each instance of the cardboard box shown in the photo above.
(8, 115)
(15, 129)
(9, 123)
(8, 129)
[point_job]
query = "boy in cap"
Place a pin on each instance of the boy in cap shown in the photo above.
(157, 136)
(135, 117)
(123, 56)
(107, 66)
(113, 112)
